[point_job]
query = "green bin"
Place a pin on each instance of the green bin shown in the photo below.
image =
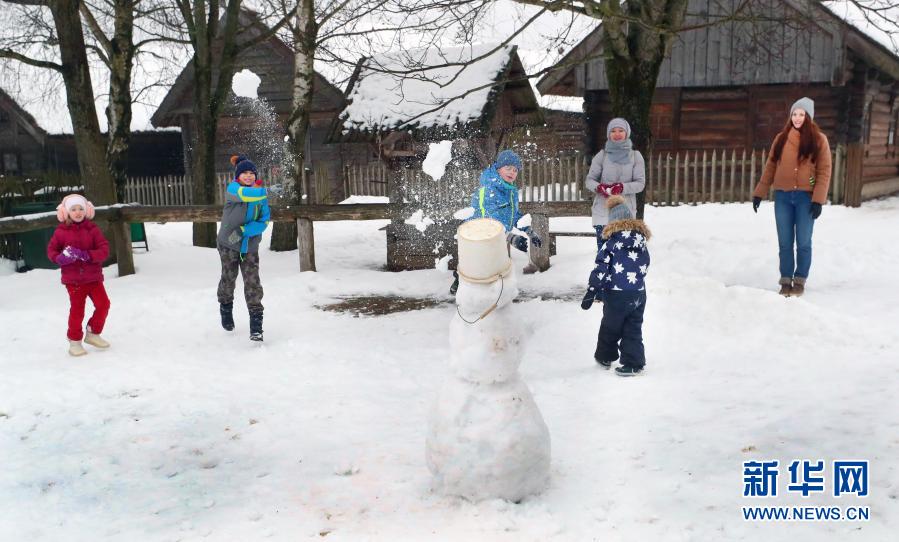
(34, 243)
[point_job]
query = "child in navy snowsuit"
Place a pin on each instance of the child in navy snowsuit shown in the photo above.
(497, 198)
(245, 216)
(618, 282)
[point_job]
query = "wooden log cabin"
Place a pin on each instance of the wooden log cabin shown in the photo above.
(478, 102)
(240, 125)
(720, 88)
(22, 141)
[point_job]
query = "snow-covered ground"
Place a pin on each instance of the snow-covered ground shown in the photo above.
(182, 431)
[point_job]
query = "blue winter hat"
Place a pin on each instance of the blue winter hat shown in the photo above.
(806, 104)
(242, 164)
(618, 209)
(507, 158)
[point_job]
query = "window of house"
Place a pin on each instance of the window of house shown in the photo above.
(4, 116)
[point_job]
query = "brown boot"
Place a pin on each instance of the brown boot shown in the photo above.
(798, 286)
(786, 286)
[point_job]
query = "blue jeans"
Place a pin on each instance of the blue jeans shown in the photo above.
(793, 215)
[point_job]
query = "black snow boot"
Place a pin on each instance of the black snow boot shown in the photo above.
(227, 316)
(256, 326)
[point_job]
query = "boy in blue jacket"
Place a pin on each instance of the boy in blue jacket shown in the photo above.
(618, 282)
(245, 216)
(497, 198)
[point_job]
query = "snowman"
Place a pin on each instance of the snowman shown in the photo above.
(486, 436)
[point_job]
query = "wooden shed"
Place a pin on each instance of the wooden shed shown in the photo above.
(730, 86)
(239, 126)
(475, 96)
(22, 141)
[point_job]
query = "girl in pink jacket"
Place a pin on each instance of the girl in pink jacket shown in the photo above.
(79, 248)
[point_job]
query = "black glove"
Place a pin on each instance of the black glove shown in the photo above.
(756, 201)
(519, 242)
(535, 239)
(816, 210)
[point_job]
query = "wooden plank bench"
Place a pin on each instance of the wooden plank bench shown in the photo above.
(554, 234)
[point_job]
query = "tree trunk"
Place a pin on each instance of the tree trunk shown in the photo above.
(633, 56)
(214, 51)
(305, 33)
(98, 181)
(118, 112)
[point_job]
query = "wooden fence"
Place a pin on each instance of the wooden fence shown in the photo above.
(686, 177)
(177, 189)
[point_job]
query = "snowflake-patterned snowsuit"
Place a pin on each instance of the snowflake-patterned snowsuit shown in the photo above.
(618, 279)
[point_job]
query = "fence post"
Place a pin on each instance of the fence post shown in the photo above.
(306, 244)
(675, 198)
(121, 238)
(540, 255)
(713, 175)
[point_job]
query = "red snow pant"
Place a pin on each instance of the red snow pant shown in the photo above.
(78, 294)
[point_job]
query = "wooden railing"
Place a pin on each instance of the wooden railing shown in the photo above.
(119, 216)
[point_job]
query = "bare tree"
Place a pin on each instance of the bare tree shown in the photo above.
(339, 32)
(74, 67)
(120, 32)
(217, 37)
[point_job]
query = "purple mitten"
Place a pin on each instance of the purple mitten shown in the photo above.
(65, 258)
(77, 253)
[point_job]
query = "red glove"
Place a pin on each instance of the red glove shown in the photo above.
(616, 189)
(604, 190)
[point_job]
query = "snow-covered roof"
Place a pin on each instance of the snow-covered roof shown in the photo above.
(875, 25)
(425, 88)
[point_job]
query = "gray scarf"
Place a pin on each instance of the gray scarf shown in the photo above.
(619, 152)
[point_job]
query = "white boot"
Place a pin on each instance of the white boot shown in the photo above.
(75, 348)
(93, 339)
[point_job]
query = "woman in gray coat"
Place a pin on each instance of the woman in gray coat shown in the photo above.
(617, 169)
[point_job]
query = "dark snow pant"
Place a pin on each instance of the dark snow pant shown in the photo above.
(599, 239)
(249, 268)
(622, 328)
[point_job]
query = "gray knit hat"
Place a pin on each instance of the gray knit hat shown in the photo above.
(806, 104)
(618, 209)
(618, 122)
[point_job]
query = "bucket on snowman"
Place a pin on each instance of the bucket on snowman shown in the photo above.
(484, 256)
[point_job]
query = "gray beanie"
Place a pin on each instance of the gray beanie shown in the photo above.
(806, 104)
(618, 122)
(618, 209)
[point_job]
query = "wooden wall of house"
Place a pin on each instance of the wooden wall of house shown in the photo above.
(20, 152)
(561, 134)
(776, 48)
(724, 118)
(881, 160)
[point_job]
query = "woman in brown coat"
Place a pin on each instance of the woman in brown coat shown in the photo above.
(799, 168)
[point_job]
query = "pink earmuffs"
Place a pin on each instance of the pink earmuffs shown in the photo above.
(62, 210)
